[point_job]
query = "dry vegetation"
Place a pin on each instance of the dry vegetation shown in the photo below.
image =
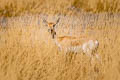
(27, 51)
(98, 6)
(19, 7)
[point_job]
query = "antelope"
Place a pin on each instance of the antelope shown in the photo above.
(51, 27)
(72, 43)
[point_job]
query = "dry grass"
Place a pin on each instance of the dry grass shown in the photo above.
(28, 53)
(98, 6)
(20, 7)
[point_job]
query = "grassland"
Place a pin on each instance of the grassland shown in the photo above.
(19, 7)
(27, 51)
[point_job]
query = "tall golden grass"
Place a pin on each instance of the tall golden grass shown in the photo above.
(19, 7)
(29, 53)
(98, 6)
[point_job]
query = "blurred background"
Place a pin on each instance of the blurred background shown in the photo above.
(20, 7)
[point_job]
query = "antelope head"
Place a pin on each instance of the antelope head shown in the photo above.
(51, 27)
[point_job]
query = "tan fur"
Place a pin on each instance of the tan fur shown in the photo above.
(51, 24)
(73, 43)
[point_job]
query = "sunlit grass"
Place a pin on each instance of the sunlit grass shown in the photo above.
(28, 52)
(20, 7)
(98, 6)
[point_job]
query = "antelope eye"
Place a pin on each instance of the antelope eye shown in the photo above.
(55, 33)
(54, 25)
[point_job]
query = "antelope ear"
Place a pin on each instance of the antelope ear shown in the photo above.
(45, 22)
(58, 20)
